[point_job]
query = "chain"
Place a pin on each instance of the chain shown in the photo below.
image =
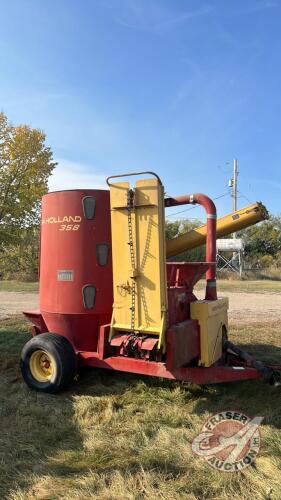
(132, 342)
(130, 206)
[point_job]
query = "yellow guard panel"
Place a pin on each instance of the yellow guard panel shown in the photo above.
(212, 317)
(148, 245)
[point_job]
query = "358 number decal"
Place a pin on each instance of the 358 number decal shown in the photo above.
(69, 227)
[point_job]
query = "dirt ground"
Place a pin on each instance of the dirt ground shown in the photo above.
(15, 302)
(252, 307)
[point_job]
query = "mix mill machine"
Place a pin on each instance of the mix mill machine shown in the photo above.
(111, 297)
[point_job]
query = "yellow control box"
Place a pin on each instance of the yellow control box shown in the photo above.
(213, 320)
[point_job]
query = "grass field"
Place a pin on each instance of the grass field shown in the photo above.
(259, 286)
(18, 286)
(120, 436)
(254, 286)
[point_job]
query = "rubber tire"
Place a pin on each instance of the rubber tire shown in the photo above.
(62, 352)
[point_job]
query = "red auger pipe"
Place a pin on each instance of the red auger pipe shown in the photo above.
(208, 204)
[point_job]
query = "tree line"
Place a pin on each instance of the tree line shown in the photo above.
(26, 163)
(262, 242)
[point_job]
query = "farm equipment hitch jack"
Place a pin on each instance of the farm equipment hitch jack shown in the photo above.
(270, 374)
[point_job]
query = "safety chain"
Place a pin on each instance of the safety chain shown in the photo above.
(133, 341)
(130, 206)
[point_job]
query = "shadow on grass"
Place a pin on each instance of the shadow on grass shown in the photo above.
(44, 435)
(267, 353)
(40, 434)
(33, 426)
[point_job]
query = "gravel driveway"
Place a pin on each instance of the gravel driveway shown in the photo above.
(253, 307)
(15, 302)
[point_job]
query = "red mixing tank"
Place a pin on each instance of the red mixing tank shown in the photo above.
(75, 265)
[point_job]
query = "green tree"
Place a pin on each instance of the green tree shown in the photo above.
(19, 260)
(178, 227)
(263, 242)
(25, 166)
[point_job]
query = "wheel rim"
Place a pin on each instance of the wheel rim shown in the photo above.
(42, 366)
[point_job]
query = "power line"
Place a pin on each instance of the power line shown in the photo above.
(244, 196)
(195, 206)
(224, 170)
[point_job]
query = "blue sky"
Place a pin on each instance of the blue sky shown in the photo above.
(176, 86)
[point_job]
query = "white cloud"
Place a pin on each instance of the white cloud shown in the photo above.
(154, 17)
(73, 175)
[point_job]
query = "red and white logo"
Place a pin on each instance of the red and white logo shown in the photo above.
(229, 441)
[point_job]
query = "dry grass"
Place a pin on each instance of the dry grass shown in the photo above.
(120, 436)
(251, 286)
(233, 283)
(19, 286)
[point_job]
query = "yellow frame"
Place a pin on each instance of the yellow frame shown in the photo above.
(150, 258)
